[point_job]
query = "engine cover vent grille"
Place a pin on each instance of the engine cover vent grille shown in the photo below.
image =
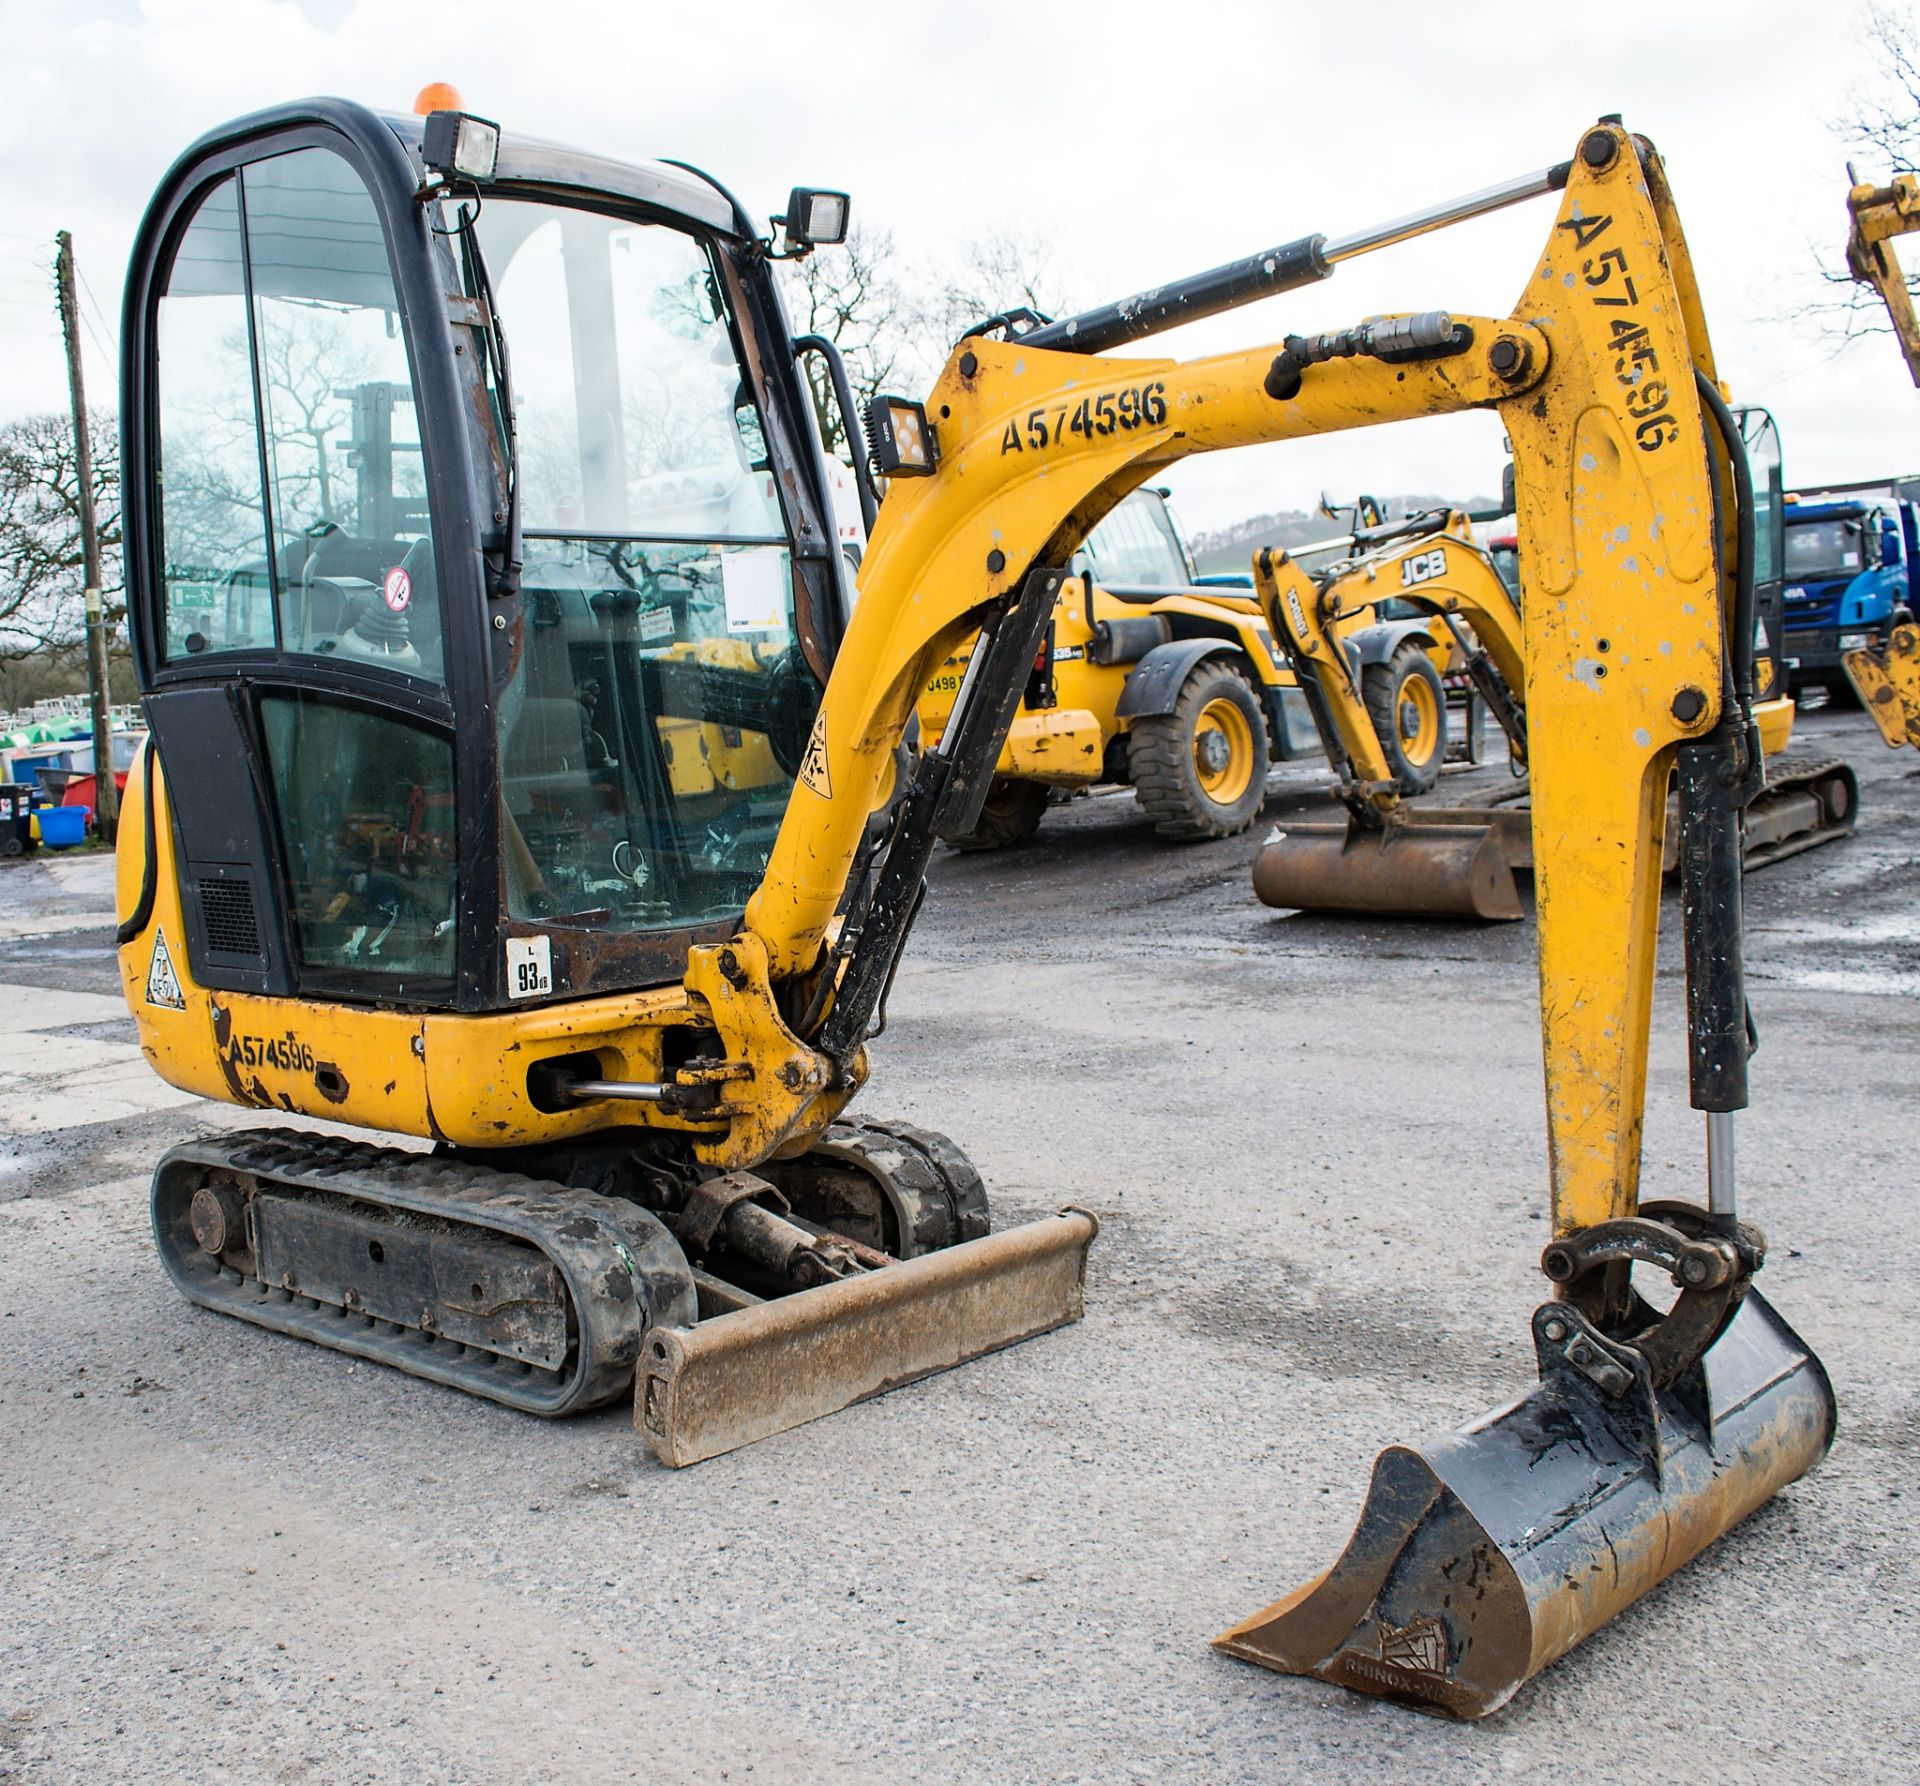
(226, 910)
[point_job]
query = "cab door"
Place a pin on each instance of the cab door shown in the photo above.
(286, 587)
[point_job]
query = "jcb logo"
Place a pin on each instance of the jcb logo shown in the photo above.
(1423, 568)
(1298, 616)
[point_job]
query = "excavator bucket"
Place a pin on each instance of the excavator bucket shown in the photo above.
(1480, 1560)
(1887, 680)
(755, 1371)
(1447, 863)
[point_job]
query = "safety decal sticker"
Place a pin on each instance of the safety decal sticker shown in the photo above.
(397, 590)
(814, 776)
(163, 984)
(529, 966)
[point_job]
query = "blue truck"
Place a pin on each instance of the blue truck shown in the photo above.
(1846, 571)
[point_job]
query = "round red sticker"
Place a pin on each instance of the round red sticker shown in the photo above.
(398, 589)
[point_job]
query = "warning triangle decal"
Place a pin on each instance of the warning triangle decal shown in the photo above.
(163, 984)
(813, 766)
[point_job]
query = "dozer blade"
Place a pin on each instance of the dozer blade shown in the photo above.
(1446, 869)
(738, 1377)
(1480, 1560)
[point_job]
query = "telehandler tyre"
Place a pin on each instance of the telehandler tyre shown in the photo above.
(1012, 814)
(1407, 702)
(1201, 770)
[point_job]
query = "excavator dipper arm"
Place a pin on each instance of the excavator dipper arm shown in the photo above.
(1876, 214)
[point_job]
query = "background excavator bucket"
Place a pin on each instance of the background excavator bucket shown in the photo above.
(1455, 863)
(1479, 1561)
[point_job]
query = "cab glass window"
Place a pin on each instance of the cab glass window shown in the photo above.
(1135, 547)
(1762, 440)
(353, 551)
(1824, 549)
(657, 705)
(365, 805)
(215, 591)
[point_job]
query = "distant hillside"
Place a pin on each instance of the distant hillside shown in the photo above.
(1231, 548)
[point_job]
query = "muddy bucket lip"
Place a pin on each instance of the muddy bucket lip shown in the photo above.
(1478, 1561)
(1444, 870)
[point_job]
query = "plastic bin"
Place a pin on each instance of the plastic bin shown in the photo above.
(61, 827)
(16, 817)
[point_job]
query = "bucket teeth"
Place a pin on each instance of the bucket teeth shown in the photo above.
(1480, 1560)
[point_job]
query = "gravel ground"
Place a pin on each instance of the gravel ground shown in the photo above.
(1318, 1150)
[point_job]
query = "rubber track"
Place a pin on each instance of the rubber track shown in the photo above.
(622, 1270)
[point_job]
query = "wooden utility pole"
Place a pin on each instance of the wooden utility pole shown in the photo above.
(106, 796)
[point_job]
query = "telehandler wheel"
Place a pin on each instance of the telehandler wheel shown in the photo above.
(1201, 770)
(1012, 814)
(1407, 703)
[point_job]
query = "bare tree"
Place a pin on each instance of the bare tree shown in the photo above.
(856, 296)
(1008, 270)
(1883, 118)
(42, 579)
(894, 321)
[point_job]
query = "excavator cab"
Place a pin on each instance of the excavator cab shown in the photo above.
(484, 583)
(500, 660)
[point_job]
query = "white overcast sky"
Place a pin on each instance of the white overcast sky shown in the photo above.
(1139, 142)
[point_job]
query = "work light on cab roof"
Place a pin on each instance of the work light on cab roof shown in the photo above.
(814, 218)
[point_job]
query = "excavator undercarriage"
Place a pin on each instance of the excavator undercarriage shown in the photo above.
(546, 1279)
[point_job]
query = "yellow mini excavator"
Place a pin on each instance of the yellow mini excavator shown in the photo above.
(1393, 857)
(410, 852)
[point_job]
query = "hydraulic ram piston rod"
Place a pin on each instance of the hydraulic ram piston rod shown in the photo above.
(1286, 268)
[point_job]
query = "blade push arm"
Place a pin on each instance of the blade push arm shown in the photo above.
(1593, 378)
(1876, 215)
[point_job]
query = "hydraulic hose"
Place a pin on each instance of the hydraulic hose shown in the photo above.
(1740, 645)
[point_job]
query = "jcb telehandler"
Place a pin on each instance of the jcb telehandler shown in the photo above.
(1392, 857)
(411, 852)
(1147, 679)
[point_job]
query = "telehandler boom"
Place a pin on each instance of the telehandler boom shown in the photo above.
(461, 787)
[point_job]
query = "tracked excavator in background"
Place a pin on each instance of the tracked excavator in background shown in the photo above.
(536, 806)
(1393, 857)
